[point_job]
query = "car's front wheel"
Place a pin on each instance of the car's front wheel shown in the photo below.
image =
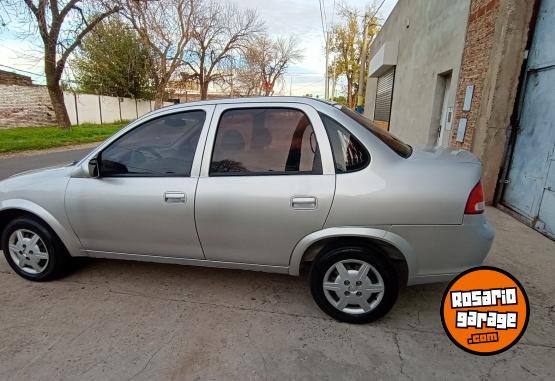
(353, 284)
(33, 250)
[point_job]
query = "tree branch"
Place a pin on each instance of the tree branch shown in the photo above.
(61, 62)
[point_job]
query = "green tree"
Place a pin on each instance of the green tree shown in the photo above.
(347, 42)
(114, 61)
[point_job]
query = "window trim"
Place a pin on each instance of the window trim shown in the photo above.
(357, 140)
(98, 154)
(378, 132)
(265, 106)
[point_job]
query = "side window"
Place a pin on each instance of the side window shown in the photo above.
(163, 146)
(265, 141)
(349, 154)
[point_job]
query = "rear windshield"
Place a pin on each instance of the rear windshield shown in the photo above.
(402, 149)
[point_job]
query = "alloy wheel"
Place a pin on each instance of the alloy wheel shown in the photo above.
(353, 286)
(28, 251)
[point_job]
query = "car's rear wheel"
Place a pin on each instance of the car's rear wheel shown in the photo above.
(33, 251)
(353, 284)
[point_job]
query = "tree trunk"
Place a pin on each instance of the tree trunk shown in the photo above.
(57, 99)
(54, 89)
(159, 94)
(349, 93)
(203, 91)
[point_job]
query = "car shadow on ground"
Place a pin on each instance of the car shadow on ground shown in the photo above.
(417, 307)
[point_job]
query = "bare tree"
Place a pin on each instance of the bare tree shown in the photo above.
(62, 26)
(220, 31)
(270, 58)
(165, 26)
(247, 81)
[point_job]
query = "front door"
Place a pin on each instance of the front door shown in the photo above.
(143, 201)
(267, 180)
(446, 114)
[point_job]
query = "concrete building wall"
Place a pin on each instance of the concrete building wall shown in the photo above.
(430, 36)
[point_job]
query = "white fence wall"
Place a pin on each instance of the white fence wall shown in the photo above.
(89, 108)
(109, 109)
(128, 109)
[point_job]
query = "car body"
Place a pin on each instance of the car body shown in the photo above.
(237, 205)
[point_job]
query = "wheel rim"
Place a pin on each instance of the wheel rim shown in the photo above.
(28, 251)
(353, 286)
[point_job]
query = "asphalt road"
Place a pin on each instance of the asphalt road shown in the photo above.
(119, 320)
(12, 165)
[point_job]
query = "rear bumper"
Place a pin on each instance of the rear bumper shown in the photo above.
(441, 252)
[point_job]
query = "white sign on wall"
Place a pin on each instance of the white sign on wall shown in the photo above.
(461, 130)
(468, 97)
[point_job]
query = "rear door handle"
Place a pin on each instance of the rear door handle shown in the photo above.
(304, 202)
(174, 197)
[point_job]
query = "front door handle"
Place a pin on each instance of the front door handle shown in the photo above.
(304, 202)
(174, 197)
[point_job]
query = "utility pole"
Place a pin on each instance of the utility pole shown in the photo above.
(334, 80)
(362, 66)
(231, 81)
(290, 85)
(327, 79)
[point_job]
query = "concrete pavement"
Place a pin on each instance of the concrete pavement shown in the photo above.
(119, 320)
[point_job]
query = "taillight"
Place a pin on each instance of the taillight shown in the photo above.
(475, 203)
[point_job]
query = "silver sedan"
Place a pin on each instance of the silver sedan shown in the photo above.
(279, 184)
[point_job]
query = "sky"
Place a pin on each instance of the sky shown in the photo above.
(298, 18)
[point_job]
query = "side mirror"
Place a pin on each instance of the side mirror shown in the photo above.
(94, 167)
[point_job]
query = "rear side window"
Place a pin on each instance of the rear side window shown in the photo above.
(265, 141)
(349, 154)
(402, 149)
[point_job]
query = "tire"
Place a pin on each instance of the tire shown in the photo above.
(354, 297)
(46, 260)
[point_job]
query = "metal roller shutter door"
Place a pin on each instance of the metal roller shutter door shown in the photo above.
(384, 95)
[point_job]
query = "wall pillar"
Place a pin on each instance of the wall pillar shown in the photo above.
(496, 38)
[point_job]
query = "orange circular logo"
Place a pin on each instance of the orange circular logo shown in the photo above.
(485, 310)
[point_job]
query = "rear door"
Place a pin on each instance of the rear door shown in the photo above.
(267, 180)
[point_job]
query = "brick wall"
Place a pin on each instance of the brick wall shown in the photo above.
(8, 78)
(23, 106)
(480, 39)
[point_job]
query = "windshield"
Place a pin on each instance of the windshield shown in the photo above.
(401, 148)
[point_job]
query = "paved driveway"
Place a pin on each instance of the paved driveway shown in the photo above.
(117, 320)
